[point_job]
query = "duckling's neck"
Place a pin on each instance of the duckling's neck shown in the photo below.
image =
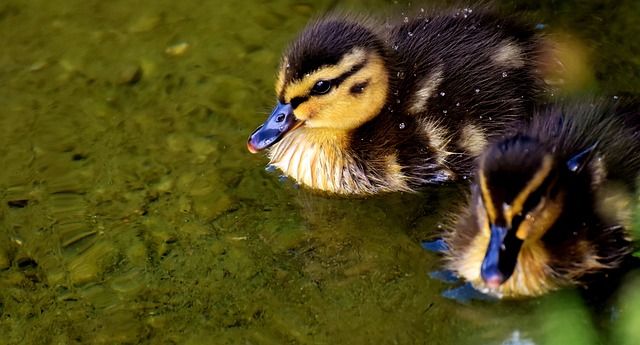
(321, 159)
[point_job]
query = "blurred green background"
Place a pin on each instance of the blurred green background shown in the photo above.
(132, 212)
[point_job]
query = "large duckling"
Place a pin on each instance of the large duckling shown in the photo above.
(551, 205)
(366, 107)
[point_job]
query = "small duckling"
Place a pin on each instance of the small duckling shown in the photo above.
(550, 207)
(365, 107)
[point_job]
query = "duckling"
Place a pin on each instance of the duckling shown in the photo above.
(367, 107)
(551, 205)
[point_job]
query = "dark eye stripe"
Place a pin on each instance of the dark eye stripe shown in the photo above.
(359, 87)
(336, 81)
(296, 101)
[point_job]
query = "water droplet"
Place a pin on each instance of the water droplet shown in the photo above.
(444, 111)
(504, 74)
(442, 94)
(395, 47)
(477, 90)
(410, 34)
(457, 104)
(406, 19)
(615, 97)
(402, 125)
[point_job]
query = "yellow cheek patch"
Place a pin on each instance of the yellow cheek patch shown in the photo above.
(307, 109)
(342, 109)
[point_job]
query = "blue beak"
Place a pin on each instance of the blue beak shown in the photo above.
(280, 122)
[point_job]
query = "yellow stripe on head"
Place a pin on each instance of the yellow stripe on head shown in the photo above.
(509, 211)
(536, 181)
(486, 197)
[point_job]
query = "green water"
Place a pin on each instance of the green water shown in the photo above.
(132, 212)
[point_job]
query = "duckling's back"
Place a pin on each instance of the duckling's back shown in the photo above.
(462, 78)
(487, 65)
(610, 126)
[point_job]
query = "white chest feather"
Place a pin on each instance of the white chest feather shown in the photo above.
(321, 160)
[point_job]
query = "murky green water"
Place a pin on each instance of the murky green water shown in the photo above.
(131, 211)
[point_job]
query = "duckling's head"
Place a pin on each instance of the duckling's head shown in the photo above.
(333, 78)
(522, 192)
(520, 198)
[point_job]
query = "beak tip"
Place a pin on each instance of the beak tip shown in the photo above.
(494, 280)
(252, 148)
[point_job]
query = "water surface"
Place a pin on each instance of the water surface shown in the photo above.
(132, 212)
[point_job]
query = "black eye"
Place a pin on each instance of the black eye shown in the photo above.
(321, 87)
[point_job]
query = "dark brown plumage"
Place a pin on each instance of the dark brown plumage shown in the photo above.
(366, 107)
